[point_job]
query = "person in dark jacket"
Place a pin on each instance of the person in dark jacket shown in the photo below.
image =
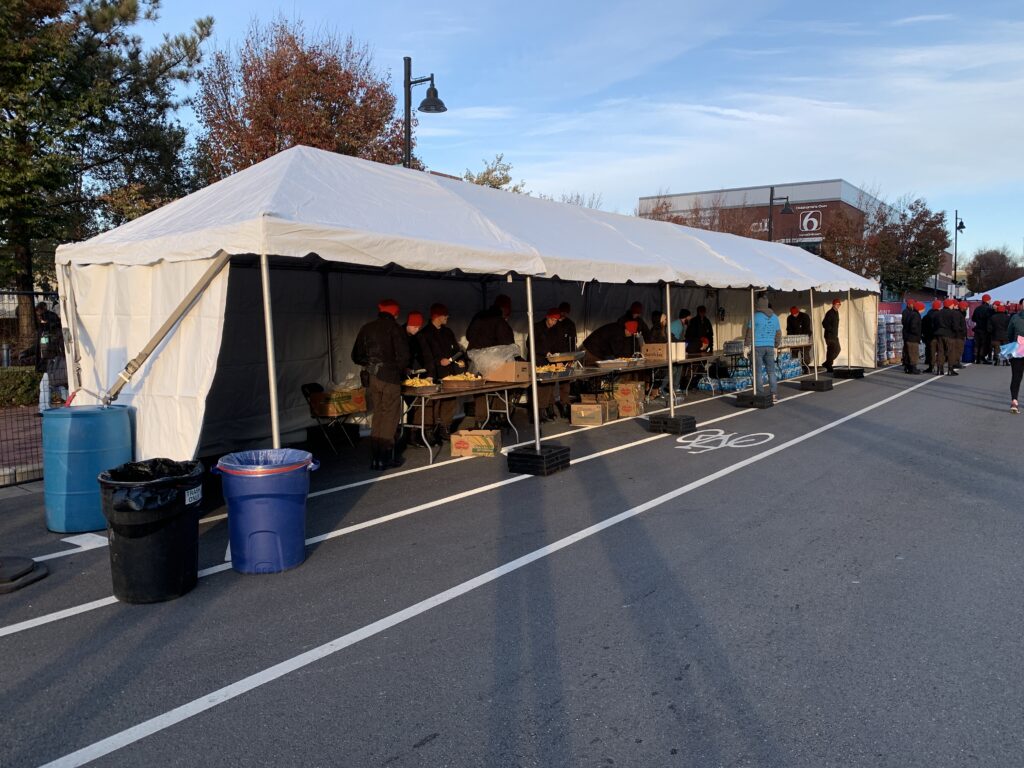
(959, 332)
(413, 325)
(610, 341)
(830, 326)
(567, 325)
(382, 350)
(549, 338)
(798, 323)
(997, 326)
(442, 356)
(982, 341)
(700, 333)
(636, 312)
(489, 327)
(911, 337)
(943, 343)
(659, 328)
(1014, 329)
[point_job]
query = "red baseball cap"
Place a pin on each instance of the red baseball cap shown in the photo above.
(415, 319)
(986, 297)
(794, 310)
(554, 314)
(919, 306)
(388, 305)
(936, 304)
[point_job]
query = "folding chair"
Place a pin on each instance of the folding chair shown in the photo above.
(324, 422)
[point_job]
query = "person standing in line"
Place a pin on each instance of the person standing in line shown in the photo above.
(911, 337)
(959, 332)
(928, 335)
(998, 330)
(383, 352)
(982, 341)
(1014, 329)
(767, 337)
(830, 325)
(942, 338)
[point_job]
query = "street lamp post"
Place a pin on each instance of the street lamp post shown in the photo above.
(786, 210)
(431, 104)
(958, 227)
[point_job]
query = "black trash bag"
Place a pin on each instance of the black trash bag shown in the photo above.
(150, 485)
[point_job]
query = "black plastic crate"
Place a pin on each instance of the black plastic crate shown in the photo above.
(529, 461)
(750, 400)
(674, 425)
(819, 385)
(848, 373)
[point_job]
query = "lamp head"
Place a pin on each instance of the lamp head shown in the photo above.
(432, 104)
(960, 226)
(786, 208)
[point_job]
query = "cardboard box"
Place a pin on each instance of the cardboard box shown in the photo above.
(340, 402)
(510, 371)
(658, 353)
(630, 408)
(476, 442)
(596, 397)
(630, 390)
(593, 414)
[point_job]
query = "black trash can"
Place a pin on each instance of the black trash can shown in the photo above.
(152, 509)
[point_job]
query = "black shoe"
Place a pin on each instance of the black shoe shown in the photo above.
(953, 373)
(564, 410)
(443, 433)
(393, 459)
(376, 463)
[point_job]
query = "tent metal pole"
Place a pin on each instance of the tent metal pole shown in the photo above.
(268, 330)
(668, 339)
(849, 324)
(330, 330)
(753, 344)
(179, 312)
(814, 345)
(71, 345)
(534, 405)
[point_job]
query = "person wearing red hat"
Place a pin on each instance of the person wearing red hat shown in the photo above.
(982, 341)
(636, 312)
(610, 341)
(442, 356)
(830, 326)
(798, 323)
(928, 334)
(700, 333)
(943, 338)
(413, 325)
(549, 338)
(911, 337)
(959, 332)
(998, 331)
(383, 352)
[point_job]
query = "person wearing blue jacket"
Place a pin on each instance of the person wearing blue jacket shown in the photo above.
(767, 338)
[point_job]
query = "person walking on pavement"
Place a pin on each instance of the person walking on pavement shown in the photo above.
(998, 325)
(1014, 329)
(911, 337)
(767, 337)
(982, 340)
(383, 352)
(830, 325)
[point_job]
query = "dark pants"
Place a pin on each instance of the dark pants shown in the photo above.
(387, 411)
(981, 346)
(941, 348)
(832, 350)
(929, 361)
(910, 354)
(996, 349)
(1016, 373)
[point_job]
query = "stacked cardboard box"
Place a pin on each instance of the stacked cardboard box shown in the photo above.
(629, 396)
(476, 442)
(593, 414)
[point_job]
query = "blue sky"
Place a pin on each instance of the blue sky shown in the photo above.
(628, 99)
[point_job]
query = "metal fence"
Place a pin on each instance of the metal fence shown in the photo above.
(28, 348)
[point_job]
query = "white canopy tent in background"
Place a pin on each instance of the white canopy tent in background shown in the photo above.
(1008, 293)
(310, 208)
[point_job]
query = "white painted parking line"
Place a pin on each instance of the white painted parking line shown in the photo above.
(83, 542)
(48, 618)
(215, 698)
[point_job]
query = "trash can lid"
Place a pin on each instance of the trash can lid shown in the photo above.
(266, 461)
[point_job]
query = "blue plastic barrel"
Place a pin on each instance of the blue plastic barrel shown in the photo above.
(78, 443)
(265, 492)
(968, 355)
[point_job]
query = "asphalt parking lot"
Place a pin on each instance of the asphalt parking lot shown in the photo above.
(835, 581)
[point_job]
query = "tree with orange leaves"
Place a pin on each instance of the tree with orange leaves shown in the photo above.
(281, 89)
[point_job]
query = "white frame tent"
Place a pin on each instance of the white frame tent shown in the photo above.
(330, 234)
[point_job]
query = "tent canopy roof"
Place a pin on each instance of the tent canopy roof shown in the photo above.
(343, 209)
(1008, 293)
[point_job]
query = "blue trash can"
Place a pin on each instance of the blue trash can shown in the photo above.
(265, 492)
(79, 442)
(968, 355)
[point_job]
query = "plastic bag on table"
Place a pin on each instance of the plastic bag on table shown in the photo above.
(487, 359)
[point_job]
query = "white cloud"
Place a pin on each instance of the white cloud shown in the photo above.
(924, 19)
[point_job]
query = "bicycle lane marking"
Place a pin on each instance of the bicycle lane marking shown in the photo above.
(215, 698)
(48, 618)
